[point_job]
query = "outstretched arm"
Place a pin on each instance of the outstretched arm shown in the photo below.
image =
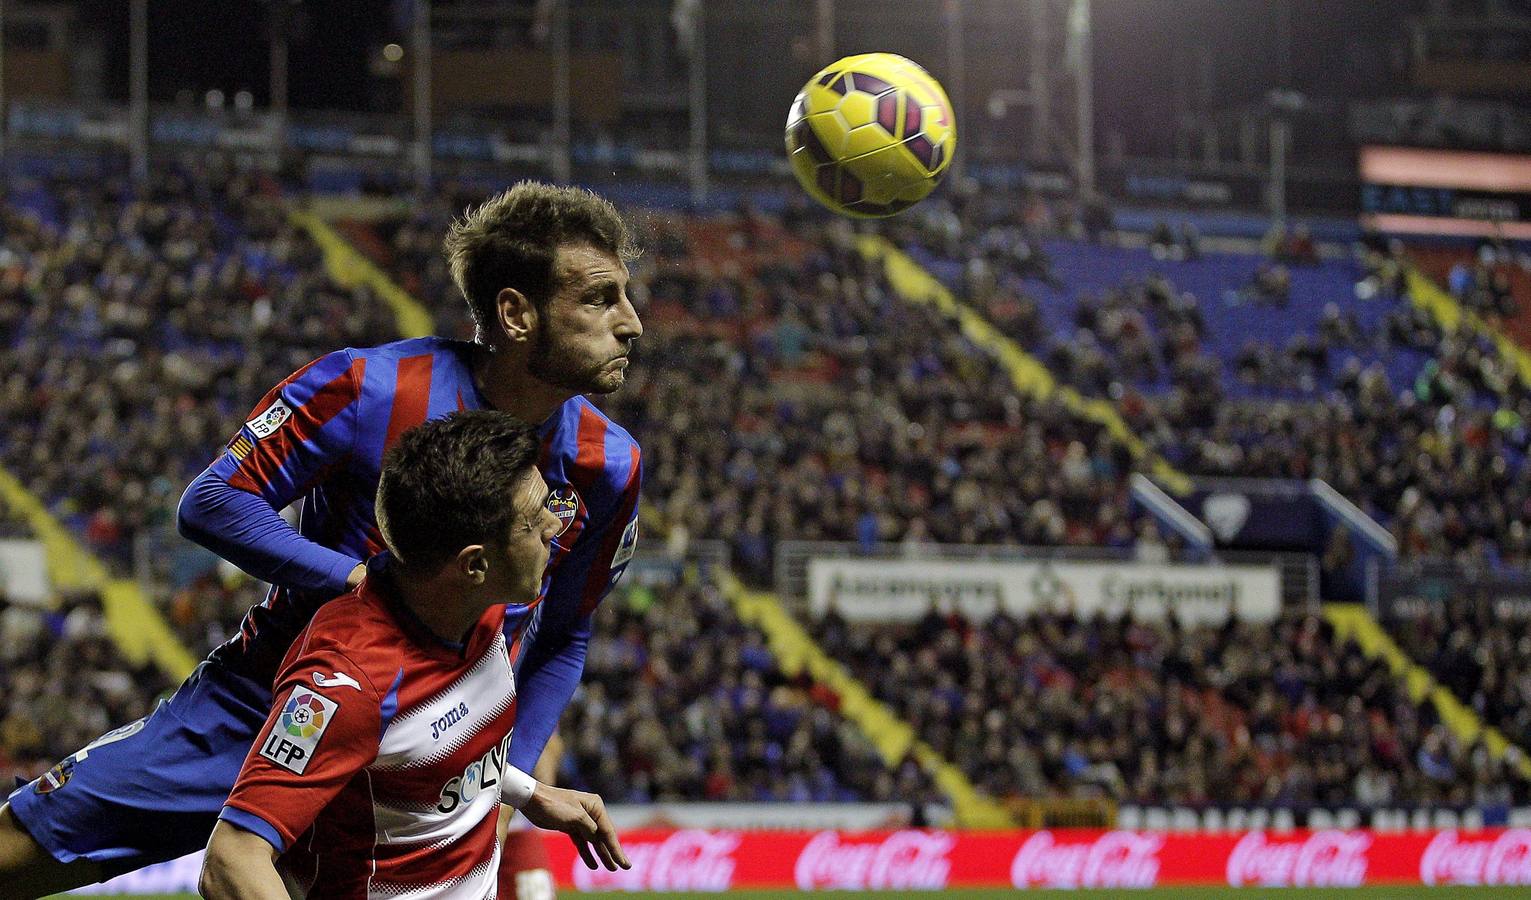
(300, 428)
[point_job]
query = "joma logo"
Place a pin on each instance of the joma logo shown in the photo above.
(452, 717)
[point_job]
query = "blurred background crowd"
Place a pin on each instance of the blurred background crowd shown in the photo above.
(783, 390)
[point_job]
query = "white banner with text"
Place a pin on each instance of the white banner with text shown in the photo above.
(901, 590)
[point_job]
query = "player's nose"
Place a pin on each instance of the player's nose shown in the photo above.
(628, 326)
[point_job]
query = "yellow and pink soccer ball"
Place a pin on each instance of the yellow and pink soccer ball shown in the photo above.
(871, 135)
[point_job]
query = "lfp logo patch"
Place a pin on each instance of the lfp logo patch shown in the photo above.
(304, 715)
(266, 424)
(295, 736)
(564, 504)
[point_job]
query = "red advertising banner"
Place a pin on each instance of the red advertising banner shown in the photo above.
(913, 859)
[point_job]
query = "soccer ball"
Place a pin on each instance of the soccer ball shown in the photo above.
(871, 135)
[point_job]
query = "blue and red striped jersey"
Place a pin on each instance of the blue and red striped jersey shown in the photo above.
(320, 436)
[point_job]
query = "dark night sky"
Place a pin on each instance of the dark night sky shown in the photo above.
(1338, 48)
(206, 44)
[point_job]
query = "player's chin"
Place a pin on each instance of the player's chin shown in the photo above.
(607, 381)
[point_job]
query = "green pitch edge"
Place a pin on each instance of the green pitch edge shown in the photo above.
(915, 284)
(1353, 620)
(894, 739)
(135, 626)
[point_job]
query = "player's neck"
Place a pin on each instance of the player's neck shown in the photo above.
(509, 386)
(438, 606)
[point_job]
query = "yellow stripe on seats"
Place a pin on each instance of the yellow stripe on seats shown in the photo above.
(1449, 314)
(132, 622)
(893, 738)
(1352, 620)
(349, 267)
(914, 283)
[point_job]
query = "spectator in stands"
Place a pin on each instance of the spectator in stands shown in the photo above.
(1134, 711)
(664, 715)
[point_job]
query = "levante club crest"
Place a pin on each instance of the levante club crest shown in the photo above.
(564, 504)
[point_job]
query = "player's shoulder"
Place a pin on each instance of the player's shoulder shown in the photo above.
(429, 345)
(594, 444)
(354, 627)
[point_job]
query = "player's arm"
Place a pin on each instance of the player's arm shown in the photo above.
(321, 731)
(240, 864)
(580, 815)
(300, 427)
(554, 662)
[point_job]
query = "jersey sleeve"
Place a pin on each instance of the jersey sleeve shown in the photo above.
(322, 730)
(299, 428)
(607, 543)
(302, 425)
(551, 666)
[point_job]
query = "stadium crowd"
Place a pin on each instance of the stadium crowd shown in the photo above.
(64, 683)
(682, 701)
(1158, 713)
(142, 324)
(782, 391)
(1440, 459)
(1479, 648)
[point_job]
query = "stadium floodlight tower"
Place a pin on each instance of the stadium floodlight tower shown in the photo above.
(1059, 92)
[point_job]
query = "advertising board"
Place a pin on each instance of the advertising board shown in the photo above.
(892, 590)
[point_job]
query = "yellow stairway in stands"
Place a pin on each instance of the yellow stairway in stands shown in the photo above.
(137, 628)
(1449, 314)
(894, 739)
(915, 284)
(349, 267)
(1353, 620)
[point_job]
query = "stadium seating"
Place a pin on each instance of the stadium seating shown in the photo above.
(664, 714)
(781, 391)
(1237, 365)
(1139, 712)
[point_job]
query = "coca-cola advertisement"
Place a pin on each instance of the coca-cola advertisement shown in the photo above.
(922, 859)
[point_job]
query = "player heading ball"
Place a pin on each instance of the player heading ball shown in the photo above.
(382, 764)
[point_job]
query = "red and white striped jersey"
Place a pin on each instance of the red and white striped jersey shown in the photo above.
(379, 768)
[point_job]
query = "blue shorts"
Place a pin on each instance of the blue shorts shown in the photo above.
(152, 790)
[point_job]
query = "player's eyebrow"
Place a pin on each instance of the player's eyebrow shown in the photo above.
(600, 285)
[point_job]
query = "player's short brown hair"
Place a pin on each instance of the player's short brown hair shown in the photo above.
(512, 240)
(449, 482)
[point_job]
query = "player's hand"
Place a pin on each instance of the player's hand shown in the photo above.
(583, 818)
(357, 574)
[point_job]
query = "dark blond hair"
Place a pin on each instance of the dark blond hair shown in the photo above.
(511, 240)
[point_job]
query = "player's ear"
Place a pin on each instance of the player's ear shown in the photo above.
(517, 315)
(473, 563)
